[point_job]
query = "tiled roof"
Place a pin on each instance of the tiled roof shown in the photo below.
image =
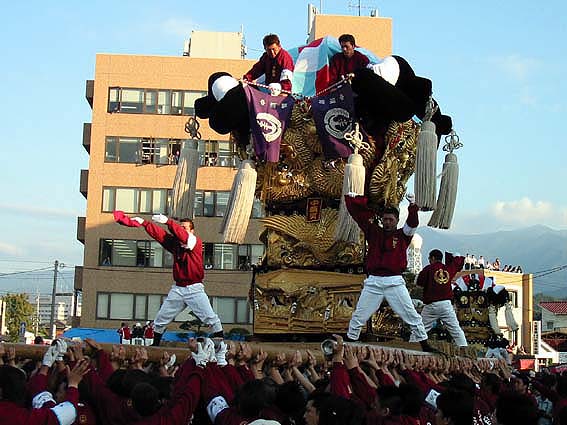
(556, 307)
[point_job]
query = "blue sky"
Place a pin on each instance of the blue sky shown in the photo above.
(498, 68)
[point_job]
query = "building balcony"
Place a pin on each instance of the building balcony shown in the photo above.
(87, 126)
(81, 221)
(78, 279)
(89, 91)
(84, 183)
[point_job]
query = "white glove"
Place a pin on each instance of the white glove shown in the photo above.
(171, 361)
(50, 355)
(61, 349)
(159, 218)
(138, 220)
(410, 197)
(209, 349)
(352, 194)
(220, 353)
(275, 89)
(200, 356)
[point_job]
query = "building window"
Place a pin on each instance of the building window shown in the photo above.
(232, 310)
(142, 150)
(152, 101)
(513, 298)
(132, 253)
(120, 306)
(221, 256)
(136, 200)
(214, 204)
(549, 326)
(217, 153)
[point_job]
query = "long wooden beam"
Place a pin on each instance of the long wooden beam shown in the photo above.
(273, 349)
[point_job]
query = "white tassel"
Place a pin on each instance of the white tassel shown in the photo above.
(426, 167)
(185, 183)
(353, 181)
(510, 319)
(493, 319)
(240, 203)
(443, 214)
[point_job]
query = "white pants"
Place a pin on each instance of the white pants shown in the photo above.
(393, 289)
(443, 310)
(192, 296)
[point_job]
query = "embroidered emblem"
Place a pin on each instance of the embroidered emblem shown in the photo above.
(337, 122)
(270, 125)
(441, 277)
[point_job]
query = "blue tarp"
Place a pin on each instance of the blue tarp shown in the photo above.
(111, 336)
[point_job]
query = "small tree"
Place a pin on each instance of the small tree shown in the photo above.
(18, 310)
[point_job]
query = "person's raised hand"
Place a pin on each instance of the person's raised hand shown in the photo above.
(159, 218)
(75, 375)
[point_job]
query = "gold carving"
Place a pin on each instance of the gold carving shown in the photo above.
(293, 242)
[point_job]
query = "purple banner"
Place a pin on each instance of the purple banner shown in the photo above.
(268, 119)
(334, 117)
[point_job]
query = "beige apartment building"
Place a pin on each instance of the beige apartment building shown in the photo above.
(140, 105)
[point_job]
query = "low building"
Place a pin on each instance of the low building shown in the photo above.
(553, 315)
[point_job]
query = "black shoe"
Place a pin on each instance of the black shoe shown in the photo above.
(219, 334)
(157, 339)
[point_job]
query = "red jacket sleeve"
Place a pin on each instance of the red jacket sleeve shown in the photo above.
(334, 70)
(454, 264)
(105, 368)
(413, 219)
(340, 381)
(383, 379)
(422, 277)
(182, 405)
(364, 392)
(37, 384)
(165, 239)
(232, 376)
(178, 231)
(245, 373)
(257, 69)
(358, 209)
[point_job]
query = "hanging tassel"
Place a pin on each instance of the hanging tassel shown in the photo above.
(353, 181)
(425, 184)
(443, 214)
(240, 203)
(185, 182)
(493, 319)
(510, 319)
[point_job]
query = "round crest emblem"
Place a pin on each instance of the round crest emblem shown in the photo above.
(270, 125)
(441, 277)
(337, 122)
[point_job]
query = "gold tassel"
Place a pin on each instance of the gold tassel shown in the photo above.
(445, 208)
(240, 203)
(185, 182)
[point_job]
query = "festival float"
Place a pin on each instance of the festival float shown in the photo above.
(301, 152)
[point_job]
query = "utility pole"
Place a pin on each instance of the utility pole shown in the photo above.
(53, 294)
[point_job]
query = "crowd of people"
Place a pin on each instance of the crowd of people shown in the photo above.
(472, 262)
(225, 383)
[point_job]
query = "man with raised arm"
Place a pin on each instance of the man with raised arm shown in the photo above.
(436, 281)
(386, 260)
(188, 271)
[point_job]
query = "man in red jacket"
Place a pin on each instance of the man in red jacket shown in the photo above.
(385, 262)
(188, 271)
(436, 281)
(349, 60)
(275, 64)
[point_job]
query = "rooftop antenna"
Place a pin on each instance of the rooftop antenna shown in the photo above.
(358, 5)
(243, 49)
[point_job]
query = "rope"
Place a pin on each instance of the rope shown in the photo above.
(344, 79)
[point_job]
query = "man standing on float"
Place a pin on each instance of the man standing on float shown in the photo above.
(188, 272)
(386, 260)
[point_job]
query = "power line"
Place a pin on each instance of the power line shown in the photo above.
(24, 271)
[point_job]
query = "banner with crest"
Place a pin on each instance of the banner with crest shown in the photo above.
(334, 117)
(268, 119)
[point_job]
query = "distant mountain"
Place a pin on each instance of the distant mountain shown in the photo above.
(536, 248)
